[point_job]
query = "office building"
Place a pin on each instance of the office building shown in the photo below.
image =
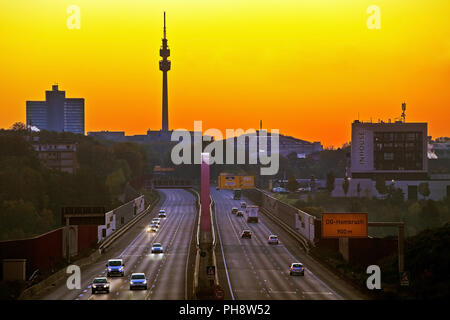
(394, 150)
(398, 153)
(56, 113)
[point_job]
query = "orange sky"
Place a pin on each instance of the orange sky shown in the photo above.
(305, 67)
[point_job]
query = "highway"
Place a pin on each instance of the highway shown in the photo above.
(253, 269)
(167, 273)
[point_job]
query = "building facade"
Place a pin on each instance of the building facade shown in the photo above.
(56, 113)
(396, 151)
(58, 156)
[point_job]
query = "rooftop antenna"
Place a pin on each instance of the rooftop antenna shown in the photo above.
(403, 111)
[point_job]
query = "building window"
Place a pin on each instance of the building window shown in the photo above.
(388, 156)
(392, 152)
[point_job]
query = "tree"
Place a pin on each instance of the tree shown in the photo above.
(430, 216)
(424, 189)
(292, 184)
(395, 195)
(346, 185)
(19, 126)
(330, 181)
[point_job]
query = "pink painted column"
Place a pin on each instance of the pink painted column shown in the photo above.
(205, 223)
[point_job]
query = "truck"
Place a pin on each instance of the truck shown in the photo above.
(237, 194)
(251, 213)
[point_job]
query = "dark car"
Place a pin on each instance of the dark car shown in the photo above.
(243, 205)
(100, 284)
(246, 234)
(239, 214)
(234, 210)
(297, 269)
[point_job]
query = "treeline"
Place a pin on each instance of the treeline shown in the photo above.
(31, 194)
(417, 215)
(427, 260)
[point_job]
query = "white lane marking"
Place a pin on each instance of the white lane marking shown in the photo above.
(307, 271)
(223, 258)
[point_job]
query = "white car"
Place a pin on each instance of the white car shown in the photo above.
(156, 220)
(138, 281)
(162, 213)
(157, 248)
(152, 228)
(273, 239)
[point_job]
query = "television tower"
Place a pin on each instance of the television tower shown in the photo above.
(164, 66)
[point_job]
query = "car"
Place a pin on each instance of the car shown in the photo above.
(162, 213)
(100, 284)
(115, 267)
(273, 239)
(217, 188)
(279, 190)
(156, 220)
(243, 205)
(157, 248)
(239, 214)
(138, 281)
(234, 210)
(297, 269)
(246, 234)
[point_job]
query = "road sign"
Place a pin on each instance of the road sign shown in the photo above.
(83, 215)
(404, 279)
(344, 225)
(211, 271)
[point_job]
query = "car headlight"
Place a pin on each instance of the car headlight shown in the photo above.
(109, 269)
(107, 285)
(121, 268)
(94, 286)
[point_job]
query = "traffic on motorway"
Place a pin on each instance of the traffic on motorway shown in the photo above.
(116, 267)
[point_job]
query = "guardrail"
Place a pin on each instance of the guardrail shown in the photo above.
(197, 258)
(105, 244)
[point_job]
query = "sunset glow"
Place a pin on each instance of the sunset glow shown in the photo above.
(308, 68)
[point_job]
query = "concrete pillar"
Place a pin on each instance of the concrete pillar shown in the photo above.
(344, 248)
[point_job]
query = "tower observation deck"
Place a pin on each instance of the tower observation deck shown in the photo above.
(164, 66)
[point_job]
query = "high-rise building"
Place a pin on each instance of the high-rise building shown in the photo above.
(164, 66)
(56, 113)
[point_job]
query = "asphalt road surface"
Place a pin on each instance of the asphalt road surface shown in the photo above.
(257, 270)
(166, 273)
